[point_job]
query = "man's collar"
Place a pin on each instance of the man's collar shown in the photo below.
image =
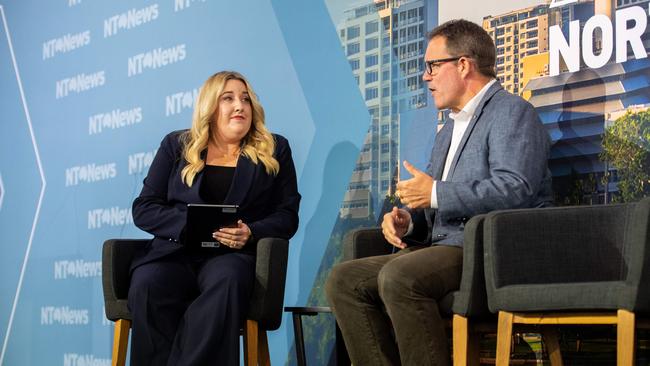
(470, 107)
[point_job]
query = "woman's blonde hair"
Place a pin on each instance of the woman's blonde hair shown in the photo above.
(257, 145)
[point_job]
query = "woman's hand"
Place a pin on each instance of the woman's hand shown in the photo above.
(233, 237)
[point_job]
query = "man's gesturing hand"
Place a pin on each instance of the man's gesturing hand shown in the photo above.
(415, 192)
(395, 225)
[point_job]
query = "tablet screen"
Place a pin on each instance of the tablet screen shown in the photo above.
(205, 219)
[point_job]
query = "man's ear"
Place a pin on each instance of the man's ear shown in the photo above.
(466, 66)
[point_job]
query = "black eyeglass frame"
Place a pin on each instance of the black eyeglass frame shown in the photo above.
(439, 62)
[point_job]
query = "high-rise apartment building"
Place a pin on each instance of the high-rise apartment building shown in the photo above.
(576, 107)
(517, 34)
(384, 42)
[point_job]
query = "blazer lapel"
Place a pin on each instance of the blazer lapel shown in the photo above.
(472, 123)
(241, 181)
(440, 149)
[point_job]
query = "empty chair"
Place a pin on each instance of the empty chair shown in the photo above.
(569, 265)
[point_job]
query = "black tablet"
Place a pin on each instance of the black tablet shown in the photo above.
(203, 220)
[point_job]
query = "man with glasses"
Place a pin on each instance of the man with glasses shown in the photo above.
(491, 155)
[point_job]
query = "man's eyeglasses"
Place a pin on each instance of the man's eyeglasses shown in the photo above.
(434, 65)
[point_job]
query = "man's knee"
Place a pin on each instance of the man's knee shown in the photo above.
(393, 283)
(336, 282)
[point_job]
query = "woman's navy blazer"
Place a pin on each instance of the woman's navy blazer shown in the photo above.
(268, 204)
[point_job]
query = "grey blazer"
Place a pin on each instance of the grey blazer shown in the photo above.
(501, 163)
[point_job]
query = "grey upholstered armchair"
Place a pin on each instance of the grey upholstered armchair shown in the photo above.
(266, 303)
(569, 265)
(468, 303)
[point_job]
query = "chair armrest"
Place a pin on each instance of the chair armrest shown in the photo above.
(270, 276)
(117, 255)
(361, 243)
(471, 297)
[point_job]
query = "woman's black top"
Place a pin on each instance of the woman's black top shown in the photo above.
(216, 183)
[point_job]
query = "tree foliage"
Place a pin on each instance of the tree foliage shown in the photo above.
(626, 146)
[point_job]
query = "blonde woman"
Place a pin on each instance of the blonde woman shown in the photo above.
(187, 306)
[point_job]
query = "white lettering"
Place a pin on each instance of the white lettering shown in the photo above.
(570, 50)
(73, 359)
(78, 268)
(177, 102)
(105, 320)
(89, 173)
(155, 59)
(140, 162)
(112, 216)
(184, 4)
(113, 120)
(79, 83)
(632, 35)
(130, 19)
(607, 41)
(181, 4)
(65, 44)
(63, 315)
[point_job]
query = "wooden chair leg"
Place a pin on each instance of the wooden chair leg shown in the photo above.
(250, 343)
(263, 350)
(551, 340)
(460, 337)
(466, 345)
(625, 338)
(120, 342)
(504, 337)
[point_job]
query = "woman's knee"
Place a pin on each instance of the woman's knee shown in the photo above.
(160, 279)
(143, 289)
(237, 272)
(231, 279)
(143, 280)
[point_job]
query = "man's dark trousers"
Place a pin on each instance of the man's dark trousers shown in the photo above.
(398, 294)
